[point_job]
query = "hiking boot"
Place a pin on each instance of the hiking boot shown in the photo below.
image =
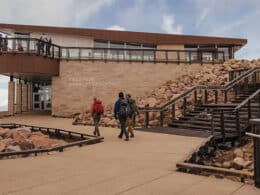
(120, 137)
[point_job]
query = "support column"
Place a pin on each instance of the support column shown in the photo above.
(11, 95)
(29, 92)
(24, 97)
(18, 106)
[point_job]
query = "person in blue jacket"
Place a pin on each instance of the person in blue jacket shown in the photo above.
(119, 109)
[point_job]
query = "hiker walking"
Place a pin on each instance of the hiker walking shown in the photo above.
(133, 110)
(97, 109)
(121, 112)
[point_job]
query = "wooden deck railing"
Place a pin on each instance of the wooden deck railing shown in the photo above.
(44, 48)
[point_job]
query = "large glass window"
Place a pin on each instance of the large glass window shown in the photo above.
(100, 53)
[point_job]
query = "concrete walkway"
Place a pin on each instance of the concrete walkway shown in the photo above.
(144, 165)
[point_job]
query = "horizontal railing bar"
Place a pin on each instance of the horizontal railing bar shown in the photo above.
(246, 100)
(253, 135)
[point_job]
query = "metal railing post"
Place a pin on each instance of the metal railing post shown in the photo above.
(195, 97)
(222, 125)
(184, 105)
(206, 96)
(238, 124)
(255, 124)
(147, 116)
(249, 110)
(212, 123)
(161, 118)
(173, 112)
(216, 96)
(225, 96)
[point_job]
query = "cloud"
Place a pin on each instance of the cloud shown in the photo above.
(4, 79)
(169, 26)
(55, 12)
(205, 12)
(116, 27)
(3, 99)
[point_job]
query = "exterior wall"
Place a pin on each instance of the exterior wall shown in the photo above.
(78, 82)
(66, 40)
(171, 55)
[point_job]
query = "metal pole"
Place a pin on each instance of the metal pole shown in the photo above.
(173, 112)
(161, 118)
(249, 110)
(222, 125)
(206, 96)
(256, 141)
(216, 96)
(238, 125)
(195, 97)
(147, 116)
(225, 96)
(184, 105)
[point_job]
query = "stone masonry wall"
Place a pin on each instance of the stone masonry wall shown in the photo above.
(78, 82)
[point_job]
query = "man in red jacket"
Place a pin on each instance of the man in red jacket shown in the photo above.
(97, 109)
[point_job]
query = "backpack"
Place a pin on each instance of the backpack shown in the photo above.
(124, 110)
(98, 108)
(132, 106)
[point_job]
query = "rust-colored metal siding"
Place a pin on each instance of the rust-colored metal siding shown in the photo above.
(28, 64)
(127, 36)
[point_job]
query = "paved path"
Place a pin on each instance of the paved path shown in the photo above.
(144, 165)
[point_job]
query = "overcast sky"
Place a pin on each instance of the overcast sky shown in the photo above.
(232, 18)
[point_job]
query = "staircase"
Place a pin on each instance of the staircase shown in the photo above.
(209, 117)
(225, 119)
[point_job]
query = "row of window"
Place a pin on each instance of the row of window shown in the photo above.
(121, 45)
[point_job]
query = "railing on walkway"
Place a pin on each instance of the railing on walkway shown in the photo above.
(29, 46)
(200, 95)
(255, 123)
(42, 47)
(236, 73)
(142, 55)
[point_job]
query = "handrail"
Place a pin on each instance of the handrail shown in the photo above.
(118, 54)
(143, 49)
(190, 90)
(185, 93)
(246, 100)
(241, 77)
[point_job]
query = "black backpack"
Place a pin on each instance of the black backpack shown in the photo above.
(124, 109)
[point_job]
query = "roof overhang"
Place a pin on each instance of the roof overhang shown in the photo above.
(125, 36)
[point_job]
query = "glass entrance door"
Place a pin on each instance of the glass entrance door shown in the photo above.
(42, 97)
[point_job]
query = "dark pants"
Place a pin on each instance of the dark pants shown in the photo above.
(123, 128)
(96, 119)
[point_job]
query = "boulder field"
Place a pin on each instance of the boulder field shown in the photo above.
(209, 75)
